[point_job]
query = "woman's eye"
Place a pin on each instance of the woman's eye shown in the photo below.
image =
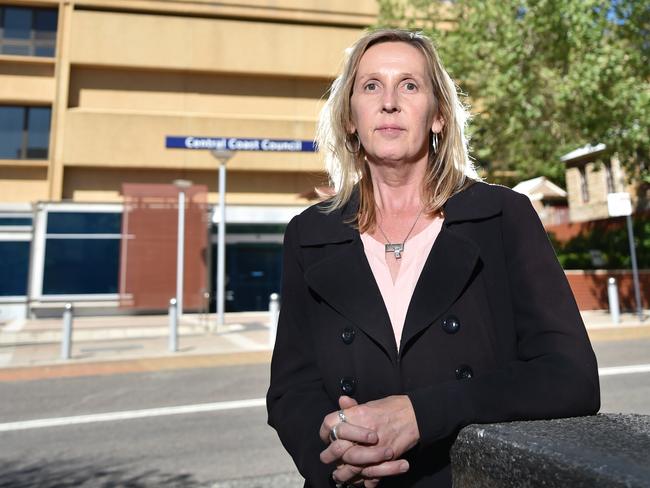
(410, 86)
(371, 87)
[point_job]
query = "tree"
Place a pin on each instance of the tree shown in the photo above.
(545, 77)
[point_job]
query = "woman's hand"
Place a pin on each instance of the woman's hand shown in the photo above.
(392, 418)
(363, 455)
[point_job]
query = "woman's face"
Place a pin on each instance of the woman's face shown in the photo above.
(393, 106)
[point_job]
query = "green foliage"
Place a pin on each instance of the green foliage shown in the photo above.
(613, 244)
(545, 76)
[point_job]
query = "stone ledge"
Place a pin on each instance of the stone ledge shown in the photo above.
(605, 450)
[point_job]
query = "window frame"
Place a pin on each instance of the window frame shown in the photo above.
(24, 143)
(32, 43)
(40, 240)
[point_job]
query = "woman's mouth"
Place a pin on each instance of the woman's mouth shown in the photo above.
(390, 129)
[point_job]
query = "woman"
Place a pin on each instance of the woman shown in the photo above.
(418, 299)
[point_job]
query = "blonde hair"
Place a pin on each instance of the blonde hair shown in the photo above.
(449, 169)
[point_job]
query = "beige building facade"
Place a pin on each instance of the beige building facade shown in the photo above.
(90, 91)
(126, 74)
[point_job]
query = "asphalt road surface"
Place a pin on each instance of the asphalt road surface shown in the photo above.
(208, 425)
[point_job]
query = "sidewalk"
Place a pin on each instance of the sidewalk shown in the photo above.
(600, 327)
(31, 349)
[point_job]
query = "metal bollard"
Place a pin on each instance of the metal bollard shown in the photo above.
(66, 339)
(205, 312)
(173, 326)
(612, 294)
(274, 313)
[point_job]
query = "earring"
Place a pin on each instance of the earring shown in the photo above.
(348, 145)
(434, 142)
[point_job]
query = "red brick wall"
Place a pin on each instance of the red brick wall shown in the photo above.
(590, 288)
(566, 232)
(149, 246)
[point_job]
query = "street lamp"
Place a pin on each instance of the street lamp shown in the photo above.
(223, 157)
(182, 185)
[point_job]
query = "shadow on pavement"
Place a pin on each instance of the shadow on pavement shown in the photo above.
(83, 473)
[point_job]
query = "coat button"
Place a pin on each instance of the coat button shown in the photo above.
(464, 372)
(347, 335)
(450, 324)
(348, 385)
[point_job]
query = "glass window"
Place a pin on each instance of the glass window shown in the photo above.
(11, 132)
(84, 223)
(81, 266)
(252, 228)
(14, 267)
(38, 132)
(608, 178)
(45, 32)
(28, 31)
(584, 188)
(15, 221)
(18, 23)
(45, 24)
(253, 273)
(24, 132)
(81, 261)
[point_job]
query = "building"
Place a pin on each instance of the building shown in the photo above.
(90, 90)
(591, 175)
(549, 200)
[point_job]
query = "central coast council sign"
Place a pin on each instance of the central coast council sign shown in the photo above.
(239, 144)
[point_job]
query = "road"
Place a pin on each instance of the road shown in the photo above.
(191, 448)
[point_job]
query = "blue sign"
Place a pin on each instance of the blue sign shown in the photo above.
(239, 144)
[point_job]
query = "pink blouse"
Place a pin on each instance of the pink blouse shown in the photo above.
(397, 295)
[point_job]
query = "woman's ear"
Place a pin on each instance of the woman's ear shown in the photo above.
(438, 124)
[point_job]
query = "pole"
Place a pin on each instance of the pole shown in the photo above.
(180, 252)
(220, 283)
(66, 339)
(635, 269)
(221, 247)
(612, 294)
(173, 326)
(274, 312)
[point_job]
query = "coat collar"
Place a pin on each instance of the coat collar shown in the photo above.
(472, 203)
(345, 281)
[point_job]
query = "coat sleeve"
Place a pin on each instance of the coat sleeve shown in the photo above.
(555, 373)
(296, 399)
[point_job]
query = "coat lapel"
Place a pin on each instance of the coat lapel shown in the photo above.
(446, 272)
(451, 262)
(345, 281)
(344, 278)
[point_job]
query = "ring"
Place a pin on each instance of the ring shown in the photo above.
(342, 416)
(333, 435)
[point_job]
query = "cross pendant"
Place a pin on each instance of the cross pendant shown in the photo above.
(397, 248)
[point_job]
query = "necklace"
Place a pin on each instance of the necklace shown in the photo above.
(398, 247)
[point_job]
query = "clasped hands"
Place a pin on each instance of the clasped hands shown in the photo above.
(370, 442)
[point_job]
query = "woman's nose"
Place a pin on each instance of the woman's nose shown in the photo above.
(390, 102)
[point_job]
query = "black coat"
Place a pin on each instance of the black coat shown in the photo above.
(492, 332)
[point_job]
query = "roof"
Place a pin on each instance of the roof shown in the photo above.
(583, 151)
(540, 188)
